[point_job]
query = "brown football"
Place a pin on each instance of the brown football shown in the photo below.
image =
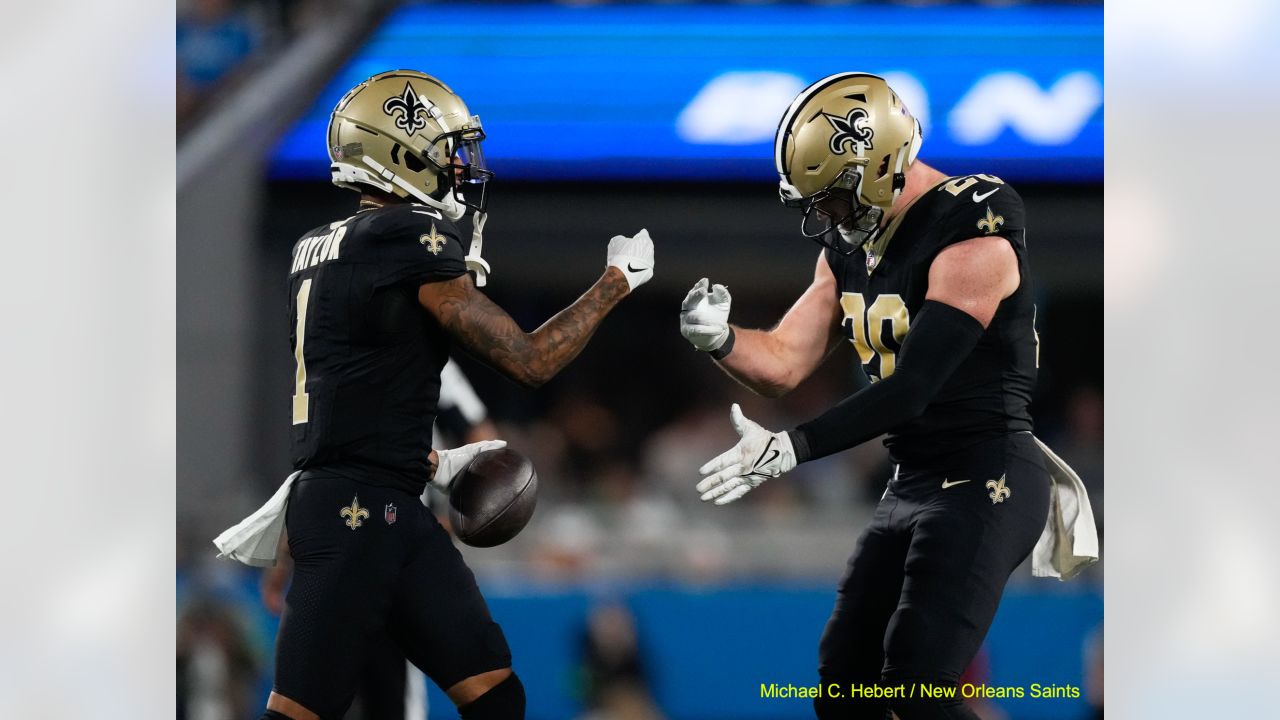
(493, 498)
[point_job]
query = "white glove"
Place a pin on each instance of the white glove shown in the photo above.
(633, 256)
(453, 461)
(704, 316)
(758, 456)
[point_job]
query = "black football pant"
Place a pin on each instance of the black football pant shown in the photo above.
(372, 562)
(922, 587)
(383, 691)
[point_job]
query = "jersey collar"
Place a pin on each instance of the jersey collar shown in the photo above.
(876, 247)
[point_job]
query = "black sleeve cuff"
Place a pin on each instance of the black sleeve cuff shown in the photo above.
(800, 444)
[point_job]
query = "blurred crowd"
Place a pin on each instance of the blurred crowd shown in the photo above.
(221, 42)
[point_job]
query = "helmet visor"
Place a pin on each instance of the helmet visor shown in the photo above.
(471, 174)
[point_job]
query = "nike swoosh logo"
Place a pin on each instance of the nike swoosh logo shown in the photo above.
(979, 198)
(432, 213)
(946, 483)
(633, 268)
(762, 461)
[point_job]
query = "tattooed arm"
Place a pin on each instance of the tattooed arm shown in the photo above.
(489, 333)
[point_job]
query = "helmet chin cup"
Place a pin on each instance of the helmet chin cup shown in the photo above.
(449, 205)
(865, 227)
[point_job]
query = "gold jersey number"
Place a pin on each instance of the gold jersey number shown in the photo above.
(887, 318)
(301, 400)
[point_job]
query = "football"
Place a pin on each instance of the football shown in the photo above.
(493, 498)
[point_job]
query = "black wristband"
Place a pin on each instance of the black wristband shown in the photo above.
(721, 352)
(799, 445)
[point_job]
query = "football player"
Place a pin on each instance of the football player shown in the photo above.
(390, 687)
(378, 299)
(928, 277)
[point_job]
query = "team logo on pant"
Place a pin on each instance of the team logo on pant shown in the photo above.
(389, 513)
(354, 514)
(999, 493)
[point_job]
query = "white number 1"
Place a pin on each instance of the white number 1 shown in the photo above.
(301, 401)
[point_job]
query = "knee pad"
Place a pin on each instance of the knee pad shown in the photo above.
(504, 701)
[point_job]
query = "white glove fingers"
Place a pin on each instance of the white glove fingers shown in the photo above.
(695, 296)
(734, 494)
(729, 457)
(633, 256)
(721, 489)
(740, 421)
(720, 295)
(718, 479)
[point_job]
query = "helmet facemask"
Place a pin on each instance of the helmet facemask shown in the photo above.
(834, 217)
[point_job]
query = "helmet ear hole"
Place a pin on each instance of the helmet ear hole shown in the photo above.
(884, 168)
(414, 163)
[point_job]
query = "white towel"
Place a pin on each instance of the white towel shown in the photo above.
(1069, 542)
(256, 539)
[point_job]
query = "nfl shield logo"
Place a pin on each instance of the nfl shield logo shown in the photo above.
(389, 513)
(871, 261)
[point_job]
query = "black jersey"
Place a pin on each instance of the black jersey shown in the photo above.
(368, 356)
(882, 286)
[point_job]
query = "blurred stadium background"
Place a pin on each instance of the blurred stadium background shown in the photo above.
(625, 597)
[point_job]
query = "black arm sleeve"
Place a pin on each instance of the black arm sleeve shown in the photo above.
(937, 343)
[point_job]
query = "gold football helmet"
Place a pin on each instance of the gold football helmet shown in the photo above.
(406, 133)
(842, 151)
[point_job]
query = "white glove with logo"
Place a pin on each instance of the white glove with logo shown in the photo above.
(704, 316)
(633, 256)
(452, 461)
(758, 456)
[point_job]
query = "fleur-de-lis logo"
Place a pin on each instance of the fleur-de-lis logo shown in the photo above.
(999, 493)
(410, 114)
(433, 240)
(354, 514)
(991, 222)
(850, 129)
